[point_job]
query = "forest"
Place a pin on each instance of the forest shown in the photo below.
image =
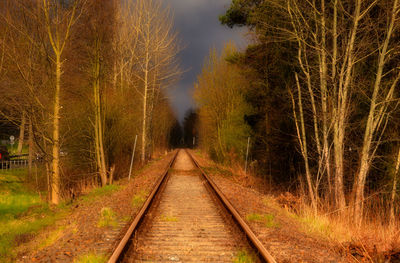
(317, 92)
(80, 80)
(302, 120)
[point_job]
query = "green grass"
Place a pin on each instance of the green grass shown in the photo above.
(22, 213)
(91, 258)
(267, 219)
(107, 218)
(12, 205)
(243, 257)
(138, 199)
(101, 191)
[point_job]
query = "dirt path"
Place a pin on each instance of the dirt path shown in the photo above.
(186, 225)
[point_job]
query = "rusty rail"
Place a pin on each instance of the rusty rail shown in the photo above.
(254, 241)
(118, 252)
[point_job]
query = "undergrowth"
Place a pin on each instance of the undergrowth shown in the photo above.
(101, 191)
(374, 240)
(13, 149)
(218, 170)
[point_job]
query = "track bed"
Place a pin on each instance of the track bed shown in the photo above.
(186, 224)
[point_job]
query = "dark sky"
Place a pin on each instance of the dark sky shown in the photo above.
(199, 29)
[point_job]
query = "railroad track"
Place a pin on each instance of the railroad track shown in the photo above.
(186, 218)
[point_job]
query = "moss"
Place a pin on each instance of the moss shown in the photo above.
(243, 257)
(91, 258)
(138, 199)
(169, 218)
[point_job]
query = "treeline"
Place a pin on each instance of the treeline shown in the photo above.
(318, 92)
(220, 93)
(82, 78)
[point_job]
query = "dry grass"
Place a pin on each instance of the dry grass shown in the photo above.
(373, 240)
(378, 236)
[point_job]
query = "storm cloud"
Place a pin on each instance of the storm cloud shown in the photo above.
(199, 30)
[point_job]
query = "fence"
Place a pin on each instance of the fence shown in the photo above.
(16, 162)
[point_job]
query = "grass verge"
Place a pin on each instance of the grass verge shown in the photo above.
(52, 237)
(22, 213)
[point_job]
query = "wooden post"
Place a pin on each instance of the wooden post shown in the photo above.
(133, 156)
(247, 154)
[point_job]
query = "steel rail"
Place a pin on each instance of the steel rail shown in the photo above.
(255, 242)
(119, 250)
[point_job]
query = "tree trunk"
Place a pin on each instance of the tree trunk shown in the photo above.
(21, 133)
(394, 188)
(57, 42)
(341, 110)
(338, 163)
(55, 184)
(324, 94)
(367, 154)
(30, 149)
(145, 95)
(100, 157)
(301, 134)
(338, 138)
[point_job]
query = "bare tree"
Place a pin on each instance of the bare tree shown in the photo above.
(152, 56)
(382, 96)
(58, 22)
(329, 49)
